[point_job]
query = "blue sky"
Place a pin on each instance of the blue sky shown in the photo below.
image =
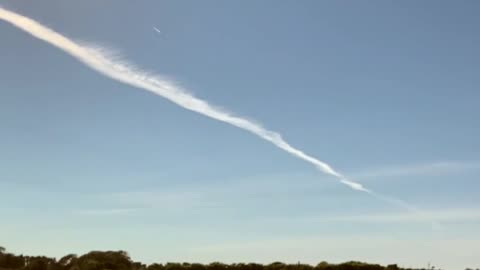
(385, 92)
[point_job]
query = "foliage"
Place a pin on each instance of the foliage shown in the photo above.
(120, 260)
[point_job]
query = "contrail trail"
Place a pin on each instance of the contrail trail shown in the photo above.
(157, 30)
(124, 72)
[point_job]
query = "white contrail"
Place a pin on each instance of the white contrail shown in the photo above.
(126, 73)
(157, 30)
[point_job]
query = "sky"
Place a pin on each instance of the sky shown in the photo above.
(386, 92)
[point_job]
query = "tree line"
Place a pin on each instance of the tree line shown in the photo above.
(120, 260)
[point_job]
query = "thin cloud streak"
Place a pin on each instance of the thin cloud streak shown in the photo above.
(178, 201)
(126, 73)
(108, 211)
(444, 215)
(101, 61)
(434, 168)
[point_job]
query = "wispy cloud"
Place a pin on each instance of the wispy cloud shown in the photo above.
(159, 200)
(440, 215)
(101, 61)
(218, 198)
(433, 168)
(107, 211)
